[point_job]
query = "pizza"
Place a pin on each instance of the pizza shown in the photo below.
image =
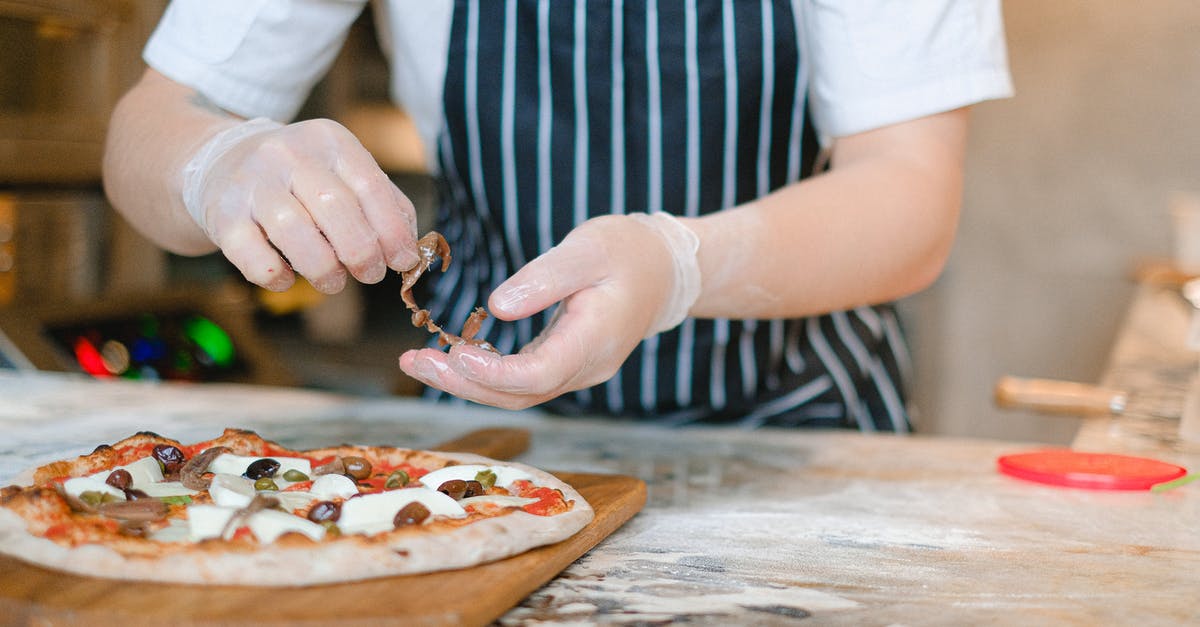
(243, 510)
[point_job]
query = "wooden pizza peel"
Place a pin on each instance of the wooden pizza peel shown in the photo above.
(30, 595)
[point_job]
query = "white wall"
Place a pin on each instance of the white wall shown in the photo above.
(1067, 187)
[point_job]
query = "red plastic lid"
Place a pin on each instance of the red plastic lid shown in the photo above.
(1094, 471)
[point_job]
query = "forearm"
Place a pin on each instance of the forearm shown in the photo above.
(877, 227)
(154, 130)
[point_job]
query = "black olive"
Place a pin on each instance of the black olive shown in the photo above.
(170, 457)
(357, 467)
(265, 467)
(454, 488)
(325, 511)
(412, 514)
(119, 479)
(134, 494)
(474, 488)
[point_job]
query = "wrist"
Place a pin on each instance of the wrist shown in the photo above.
(682, 244)
(196, 169)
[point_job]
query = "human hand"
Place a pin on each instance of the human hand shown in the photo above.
(304, 198)
(617, 280)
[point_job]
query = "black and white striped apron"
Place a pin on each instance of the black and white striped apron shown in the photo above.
(558, 111)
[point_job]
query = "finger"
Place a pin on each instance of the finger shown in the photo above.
(290, 229)
(334, 208)
(548, 279)
(245, 246)
(566, 357)
(389, 212)
(429, 366)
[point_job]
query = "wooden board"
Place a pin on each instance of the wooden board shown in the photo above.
(473, 596)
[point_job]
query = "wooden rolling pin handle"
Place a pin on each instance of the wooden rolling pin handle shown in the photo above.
(496, 442)
(1058, 397)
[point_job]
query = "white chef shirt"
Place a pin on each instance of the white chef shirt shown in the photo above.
(872, 62)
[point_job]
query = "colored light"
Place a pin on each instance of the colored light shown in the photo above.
(115, 356)
(89, 358)
(211, 338)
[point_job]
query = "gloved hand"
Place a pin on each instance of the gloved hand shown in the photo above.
(617, 279)
(305, 197)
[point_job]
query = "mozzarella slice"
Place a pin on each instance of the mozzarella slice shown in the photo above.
(374, 513)
(230, 464)
(231, 491)
(94, 483)
(144, 471)
(292, 500)
(269, 524)
(175, 531)
(207, 521)
(166, 488)
(499, 500)
(505, 475)
(329, 487)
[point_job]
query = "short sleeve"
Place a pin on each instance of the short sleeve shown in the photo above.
(251, 57)
(878, 62)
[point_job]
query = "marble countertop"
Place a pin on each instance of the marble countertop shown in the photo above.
(742, 527)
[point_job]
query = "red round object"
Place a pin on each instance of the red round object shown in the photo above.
(1093, 471)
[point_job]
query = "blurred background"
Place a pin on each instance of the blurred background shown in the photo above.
(1069, 188)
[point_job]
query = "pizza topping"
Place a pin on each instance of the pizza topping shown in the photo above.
(269, 524)
(166, 490)
(120, 479)
(431, 248)
(192, 473)
(398, 479)
(357, 467)
(134, 494)
(330, 487)
(499, 500)
(454, 488)
(266, 484)
(170, 457)
(334, 467)
(139, 510)
(375, 513)
(323, 511)
(412, 514)
(231, 491)
(295, 476)
(504, 475)
(486, 478)
(474, 488)
(232, 464)
(76, 486)
(261, 469)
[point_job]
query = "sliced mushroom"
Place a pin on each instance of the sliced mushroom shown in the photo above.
(335, 467)
(192, 473)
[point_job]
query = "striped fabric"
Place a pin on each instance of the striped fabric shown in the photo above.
(560, 111)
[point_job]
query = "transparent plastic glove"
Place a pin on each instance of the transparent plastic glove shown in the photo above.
(304, 198)
(616, 280)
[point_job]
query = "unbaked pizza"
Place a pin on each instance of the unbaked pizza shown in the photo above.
(242, 510)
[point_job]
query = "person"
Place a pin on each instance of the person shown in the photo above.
(680, 211)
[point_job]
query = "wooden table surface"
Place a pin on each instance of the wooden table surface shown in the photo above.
(740, 527)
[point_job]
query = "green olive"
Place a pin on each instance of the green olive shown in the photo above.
(91, 497)
(294, 475)
(266, 483)
(486, 478)
(109, 497)
(398, 479)
(331, 528)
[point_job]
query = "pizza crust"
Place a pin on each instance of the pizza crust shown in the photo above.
(294, 561)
